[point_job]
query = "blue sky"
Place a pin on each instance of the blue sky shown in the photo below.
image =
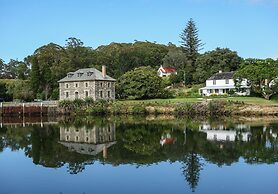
(249, 27)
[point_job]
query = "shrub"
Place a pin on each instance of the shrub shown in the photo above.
(139, 109)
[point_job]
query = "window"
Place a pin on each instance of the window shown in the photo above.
(101, 84)
(86, 93)
(87, 139)
(214, 82)
(227, 81)
(67, 138)
(86, 84)
(67, 94)
(228, 138)
(76, 85)
(108, 84)
(100, 94)
(108, 94)
(76, 95)
(67, 85)
(216, 91)
(76, 138)
(76, 130)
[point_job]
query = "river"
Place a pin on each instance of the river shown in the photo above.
(132, 155)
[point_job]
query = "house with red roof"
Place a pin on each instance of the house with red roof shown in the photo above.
(166, 71)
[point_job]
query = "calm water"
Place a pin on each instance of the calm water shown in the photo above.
(138, 155)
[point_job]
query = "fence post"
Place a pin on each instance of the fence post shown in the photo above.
(41, 108)
(23, 105)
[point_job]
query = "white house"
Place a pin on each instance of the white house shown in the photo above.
(166, 71)
(222, 83)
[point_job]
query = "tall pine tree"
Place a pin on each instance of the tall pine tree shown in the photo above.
(191, 45)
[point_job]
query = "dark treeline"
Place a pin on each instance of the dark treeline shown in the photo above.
(49, 63)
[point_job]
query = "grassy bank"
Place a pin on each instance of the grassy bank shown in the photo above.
(178, 106)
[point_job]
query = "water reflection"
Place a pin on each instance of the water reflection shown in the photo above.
(89, 141)
(194, 144)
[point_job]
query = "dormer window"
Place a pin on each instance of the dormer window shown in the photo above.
(214, 82)
(79, 74)
(90, 73)
(70, 75)
(227, 81)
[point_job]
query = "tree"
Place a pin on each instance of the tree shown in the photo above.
(17, 69)
(140, 83)
(21, 89)
(190, 42)
(122, 57)
(212, 61)
(262, 74)
(191, 45)
(175, 58)
(78, 56)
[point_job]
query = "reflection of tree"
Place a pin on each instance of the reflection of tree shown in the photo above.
(191, 160)
(191, 169)
(138, 144)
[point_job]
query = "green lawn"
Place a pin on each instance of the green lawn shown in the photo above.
(247, 100)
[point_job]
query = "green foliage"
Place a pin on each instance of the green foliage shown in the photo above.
(122, 57)
(21, 89)
(191, 44)
(261, 75)
(140, 83)
(139, 109)
(211, 62)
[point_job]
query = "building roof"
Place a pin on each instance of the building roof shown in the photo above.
(222, 75)
(168, 69)
(88, 74)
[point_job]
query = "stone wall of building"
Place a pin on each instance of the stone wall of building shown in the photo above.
(94, 89)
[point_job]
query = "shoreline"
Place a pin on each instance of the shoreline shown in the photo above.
(213, 108)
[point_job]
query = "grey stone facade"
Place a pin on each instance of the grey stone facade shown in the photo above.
(86, 83)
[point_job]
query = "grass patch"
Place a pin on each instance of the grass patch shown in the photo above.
(246, 100)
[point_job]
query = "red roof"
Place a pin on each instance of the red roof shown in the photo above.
(168, 70)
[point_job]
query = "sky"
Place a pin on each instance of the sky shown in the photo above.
(249, 27)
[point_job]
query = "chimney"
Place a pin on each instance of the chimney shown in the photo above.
(103, 71)
(220, 71)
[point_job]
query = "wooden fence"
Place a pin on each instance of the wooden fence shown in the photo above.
(34, 108)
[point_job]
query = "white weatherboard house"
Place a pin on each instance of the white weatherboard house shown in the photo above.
(166, 71)
(222, 83)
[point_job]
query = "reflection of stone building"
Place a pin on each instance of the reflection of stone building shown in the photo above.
(222, 133)
(90, 141)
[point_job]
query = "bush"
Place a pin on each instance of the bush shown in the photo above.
(139, 109)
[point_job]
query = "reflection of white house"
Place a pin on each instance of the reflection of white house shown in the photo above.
(88, 141)
(223, 83)
(220, 133)
(166, 71)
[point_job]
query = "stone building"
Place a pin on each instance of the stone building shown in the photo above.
(88, 82)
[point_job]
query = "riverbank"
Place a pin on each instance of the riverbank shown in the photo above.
(178, 107)
(188, 107)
